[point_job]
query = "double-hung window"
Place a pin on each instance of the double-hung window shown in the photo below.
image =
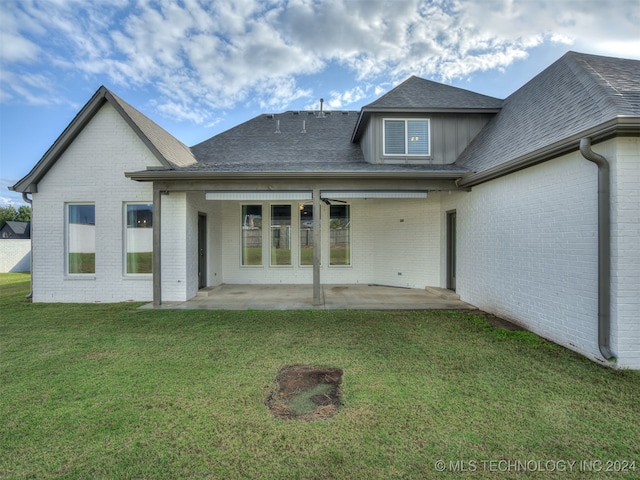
(407, 137)
(81, 239)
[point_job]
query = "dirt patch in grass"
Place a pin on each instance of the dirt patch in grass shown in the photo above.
(306, 392)
(497, 321)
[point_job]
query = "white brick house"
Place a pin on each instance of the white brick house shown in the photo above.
(430, 185)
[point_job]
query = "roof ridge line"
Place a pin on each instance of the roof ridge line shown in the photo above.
(585, 73)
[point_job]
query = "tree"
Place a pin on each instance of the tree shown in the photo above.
(9, 213)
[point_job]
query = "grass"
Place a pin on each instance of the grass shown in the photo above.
(108, 391)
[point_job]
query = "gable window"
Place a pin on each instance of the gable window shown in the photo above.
(139, 238)
(407, 137)
(81, 239)
(251, 235)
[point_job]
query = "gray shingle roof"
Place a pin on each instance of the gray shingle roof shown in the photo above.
(576, 93)
(416, 92)
(18, 228)
(254, 146)
(170, 148)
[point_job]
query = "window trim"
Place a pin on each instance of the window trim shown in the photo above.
(125, 249)
(406, 137)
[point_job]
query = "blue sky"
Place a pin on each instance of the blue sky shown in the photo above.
(199, 67)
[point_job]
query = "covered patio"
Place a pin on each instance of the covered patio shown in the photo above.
(332, 297)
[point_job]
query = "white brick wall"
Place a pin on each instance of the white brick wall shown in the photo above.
(624, 157)
(15, 255)
(91, 170)
(527, 249)
(406, 241)
(173, 245)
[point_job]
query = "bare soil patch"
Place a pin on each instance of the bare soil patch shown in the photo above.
(306, 392)
(497, 321)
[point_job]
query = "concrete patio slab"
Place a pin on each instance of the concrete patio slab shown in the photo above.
(300, 297)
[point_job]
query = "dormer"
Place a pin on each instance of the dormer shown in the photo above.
(422, 122)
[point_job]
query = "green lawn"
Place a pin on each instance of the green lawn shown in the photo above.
(108, 391)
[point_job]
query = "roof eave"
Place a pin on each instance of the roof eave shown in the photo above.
(619, 126)
(191, 175)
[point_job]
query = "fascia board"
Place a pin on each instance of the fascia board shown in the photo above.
(190, 175)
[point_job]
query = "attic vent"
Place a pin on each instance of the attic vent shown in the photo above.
(269, 116)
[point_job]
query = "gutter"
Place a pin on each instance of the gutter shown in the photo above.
(604, 248)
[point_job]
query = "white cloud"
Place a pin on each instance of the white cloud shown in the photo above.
(205, 56)
(340, 100)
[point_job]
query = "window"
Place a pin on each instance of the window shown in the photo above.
(340, 235)
(280, 234)
(251, 235)
(139, 238)
(406, 137)
(81, 239)
(306, 234)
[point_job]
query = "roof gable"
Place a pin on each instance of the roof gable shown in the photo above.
(167, 149)
(576, 94)
(418, 93)
(425, 96)
(17, 228)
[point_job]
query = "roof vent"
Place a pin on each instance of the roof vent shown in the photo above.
(277, 127)
(304, 126)
(321, 114)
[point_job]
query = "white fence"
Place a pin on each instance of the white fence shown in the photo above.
(15, 255)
